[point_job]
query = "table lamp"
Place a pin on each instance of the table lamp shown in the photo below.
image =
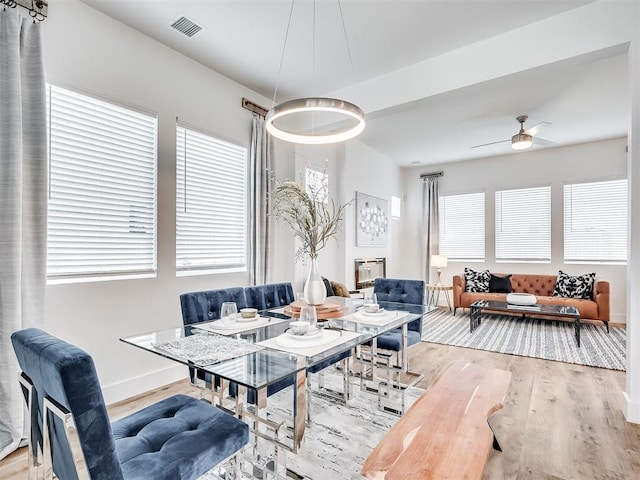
(439, 262)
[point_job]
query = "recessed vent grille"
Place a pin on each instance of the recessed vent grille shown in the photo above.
(185, 26)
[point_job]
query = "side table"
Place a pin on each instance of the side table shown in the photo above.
(433, 293)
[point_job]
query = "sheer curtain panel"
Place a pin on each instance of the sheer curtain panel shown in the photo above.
(261, 186)
(23, 205)
(430, 194)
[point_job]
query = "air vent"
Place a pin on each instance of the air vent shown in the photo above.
(185, 26)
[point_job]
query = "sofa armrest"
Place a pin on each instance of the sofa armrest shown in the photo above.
(601, 297)
(458, 289)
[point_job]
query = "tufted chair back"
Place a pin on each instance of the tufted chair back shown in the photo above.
(67, 374)
(205, 306)
(269, 296)
(401, 291)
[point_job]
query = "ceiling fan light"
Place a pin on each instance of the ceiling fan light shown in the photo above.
(311, 106)
(520, 141)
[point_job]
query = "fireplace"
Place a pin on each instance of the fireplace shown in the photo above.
(368, 269)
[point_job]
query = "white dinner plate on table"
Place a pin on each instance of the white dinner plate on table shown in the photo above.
(378, 317)
(218, 325)
(302, 341)
(241, 319)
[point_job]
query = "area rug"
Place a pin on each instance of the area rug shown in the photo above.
(340, 436)
(546, 339)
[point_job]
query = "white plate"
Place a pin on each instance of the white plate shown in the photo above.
(304, 341)
(377, 318)
(241, 319)
(379, 313)
(218, 325)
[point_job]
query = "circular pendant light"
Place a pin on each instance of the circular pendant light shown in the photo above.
(348, 112)
(314, 120)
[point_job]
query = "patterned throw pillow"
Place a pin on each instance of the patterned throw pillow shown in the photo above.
(476, 281)
(574, 287)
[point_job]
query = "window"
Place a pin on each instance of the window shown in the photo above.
(211, 203)
(523, 225)
(595, 222)
(461, 225)
(396, 207)
(317, 185)
(102, 188)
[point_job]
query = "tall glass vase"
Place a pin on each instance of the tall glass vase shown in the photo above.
(314, 290)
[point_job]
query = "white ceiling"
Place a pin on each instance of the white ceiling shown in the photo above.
(585, 99)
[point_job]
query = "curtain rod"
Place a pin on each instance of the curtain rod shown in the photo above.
(254, 107)
(38, 9)
(432, 174)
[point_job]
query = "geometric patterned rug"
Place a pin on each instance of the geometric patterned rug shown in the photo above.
(546, 339)
(340, 436)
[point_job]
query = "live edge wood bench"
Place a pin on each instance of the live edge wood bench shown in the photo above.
(445, 434)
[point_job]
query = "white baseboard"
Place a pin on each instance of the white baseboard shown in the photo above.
(143, 383)
(631, 409)
(618, 318)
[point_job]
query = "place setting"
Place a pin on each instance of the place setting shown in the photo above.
(308, 334)
(372, 312)
(232, 322)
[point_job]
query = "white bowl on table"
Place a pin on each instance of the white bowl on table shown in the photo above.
(371, 307)
(523, 299)
(299, 328)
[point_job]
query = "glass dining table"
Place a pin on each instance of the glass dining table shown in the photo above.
(250, 358)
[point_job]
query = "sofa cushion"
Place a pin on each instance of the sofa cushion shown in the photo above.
(500, 284)
(476, 281)
(580, 286)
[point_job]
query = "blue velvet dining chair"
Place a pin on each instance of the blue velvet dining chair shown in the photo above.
(400, 291)
(204, 306)
(179, 437)
(271, 295)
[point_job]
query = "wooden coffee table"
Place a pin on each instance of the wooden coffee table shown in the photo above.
(525, 310)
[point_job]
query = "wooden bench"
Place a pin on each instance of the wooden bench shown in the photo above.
(445, 434)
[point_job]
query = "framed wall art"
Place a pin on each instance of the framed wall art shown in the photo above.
(372, 221)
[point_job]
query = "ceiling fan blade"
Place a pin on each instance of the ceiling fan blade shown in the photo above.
(491, 143)
(542, 141)
(533, 131)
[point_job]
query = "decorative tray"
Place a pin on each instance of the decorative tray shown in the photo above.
(324, 311)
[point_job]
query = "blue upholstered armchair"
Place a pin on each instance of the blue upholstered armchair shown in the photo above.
(179, 437)
(401, 291)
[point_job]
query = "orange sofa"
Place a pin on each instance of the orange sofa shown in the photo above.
(596, 308)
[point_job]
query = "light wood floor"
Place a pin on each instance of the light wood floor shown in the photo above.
(560, 421)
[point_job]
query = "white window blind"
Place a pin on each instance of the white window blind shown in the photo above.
(102, 188)
(211, 203)
(461, 224)
(595, 222)
(523, 225)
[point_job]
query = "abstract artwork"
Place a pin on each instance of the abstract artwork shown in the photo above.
(372, 221)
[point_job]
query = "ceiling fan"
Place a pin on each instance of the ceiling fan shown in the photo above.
(524, 138)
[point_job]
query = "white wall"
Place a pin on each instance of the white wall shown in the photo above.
(552, 166)
(89, 52)
(370, 172)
